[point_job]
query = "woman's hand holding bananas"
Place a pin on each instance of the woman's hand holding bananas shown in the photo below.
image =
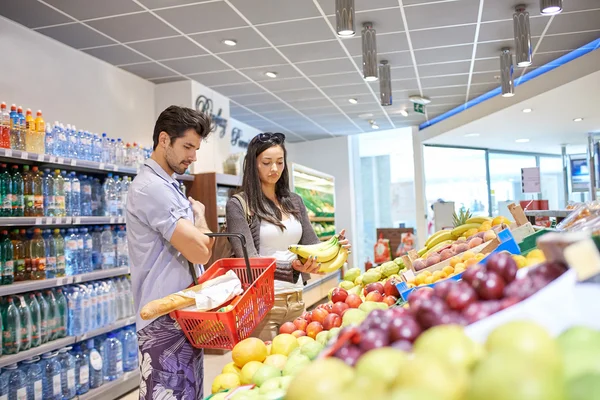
(322, 258)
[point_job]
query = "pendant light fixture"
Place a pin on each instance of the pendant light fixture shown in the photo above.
(385, 83)
(522, 28)
(550, 7)
(344, 18)
(369, 52)
(506, 73)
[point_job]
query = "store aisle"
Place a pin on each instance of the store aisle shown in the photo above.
(213, 364)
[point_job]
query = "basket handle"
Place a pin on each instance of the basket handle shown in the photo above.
(242, 240)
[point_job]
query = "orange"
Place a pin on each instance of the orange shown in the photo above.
(454, 261)
(250, 349)
(449, 270)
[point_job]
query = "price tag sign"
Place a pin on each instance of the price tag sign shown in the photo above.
(68, 220)
(61, 160)
(121, 220)
(40, 157)
(73, 163)
(77, 278)
(8, 153)
(48, 221)
(530, 180)
(77, 220)
(61, 281)
(52, 159)
(58, 220)
(25, 155)
(102, 166)
(112, 220)
(38, 221)
(116, 168)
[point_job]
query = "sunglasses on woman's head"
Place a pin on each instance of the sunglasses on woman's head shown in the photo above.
(277, 138)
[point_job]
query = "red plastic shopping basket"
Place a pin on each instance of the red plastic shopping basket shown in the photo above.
(223, 330)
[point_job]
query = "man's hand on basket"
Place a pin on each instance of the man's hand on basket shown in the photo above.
(311, 266)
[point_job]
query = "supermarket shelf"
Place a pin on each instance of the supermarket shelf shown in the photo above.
(320, 279)
(28, 286)
(548, 213)
(114, 389)
(60, 343)
(186, 177)
(60, 221)
(322, 219)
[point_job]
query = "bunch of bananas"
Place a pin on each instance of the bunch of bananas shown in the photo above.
(330, 254)
(442, 238)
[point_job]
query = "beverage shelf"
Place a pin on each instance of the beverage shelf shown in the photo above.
(60, 221)
(115, 389)
(63, 342)
(29, 286)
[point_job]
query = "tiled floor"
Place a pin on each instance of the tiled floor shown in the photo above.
(213, 364)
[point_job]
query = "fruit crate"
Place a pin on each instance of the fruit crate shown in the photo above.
(530, 242)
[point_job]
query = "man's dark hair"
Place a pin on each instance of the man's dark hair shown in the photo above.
(176, 120)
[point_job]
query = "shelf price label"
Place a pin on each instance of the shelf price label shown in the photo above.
(40, 157)
(77, 220)
(73, 163)
(8, 153)
(49, 221)
(112, 220)
(24, 155)
(38, 221)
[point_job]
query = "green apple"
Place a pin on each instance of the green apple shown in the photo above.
(324, 380)
(265, 373)
(311, 350)
(382, 364)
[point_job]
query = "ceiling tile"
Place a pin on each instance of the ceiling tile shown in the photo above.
(326, 66)
(459, 98)
(328, 6)
(253, 58)
(479, 88)
(32, 13)
(545, 58)
(346, 78)
(325, 110)
(193, 65)
(576, 22)
(291, 32)
(314, 102)
(443, 36)
(76, 35)
(330, 118)
(384, 21)
(279, 85)
(246, 38)
(485, 77)
(385, 43)
(148, 70)
(441, 81)
(403, 86)
(300, 94)
(86, 9)
(444, 54)
(504, 9)
(152, 4)
(240, 89)
(265, 11)
(161, 49)
(116, 55)
(366, 102)
(202, 17)
(259, 98)
(219, 78)
(283, 71)
(398, 59)
(488, 64)
(447, 91)
(129, 28)
(313, 51)
(503, 30)
(269, 108)
(580, 5)
(460, 67)
(402, 73)
(169, 79)
(346, 90)
(567, 42)
(442, 14)
(493, 49)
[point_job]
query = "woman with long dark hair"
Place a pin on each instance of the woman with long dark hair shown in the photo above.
(272, 218)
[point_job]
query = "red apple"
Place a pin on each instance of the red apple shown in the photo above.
(288, 327)
(307, 315)
(339, 294)
(374, 296)
(372, 287)
(489, 286)
(353, 301)
(339, 308)
(328, 307)
(313, 329)
(332, 321)
(390, 300)
(390, 289)
(460, 296)
(299, 333)
(319, 315)
(300, 323)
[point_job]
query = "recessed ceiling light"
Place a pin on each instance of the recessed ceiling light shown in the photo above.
(522, 140)
(577, 119)
(271, 74)
(230, 42)
(353, 101)
(419, 99)
(472, 135)
(527, 110)
(403, 112)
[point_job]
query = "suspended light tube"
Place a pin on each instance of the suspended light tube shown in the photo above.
(344, 18)
(522, 28)
(506, 73)
(550, 7)
(385, 83)
(369, 52)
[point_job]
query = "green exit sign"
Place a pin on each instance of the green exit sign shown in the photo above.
(420, 108)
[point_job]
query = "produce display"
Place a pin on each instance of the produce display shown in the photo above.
(330, 254)
(318, 203)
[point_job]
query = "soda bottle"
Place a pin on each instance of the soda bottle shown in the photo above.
(26, 236)
(25, 316)
(38, 192)
(48, 193)
(18, 256)
(11, 327)
(15, 128)
(18, 188)
(17, 383)
(36, 320)
(33, 370)
(61, 303)
(38, 255)
(59, 194)
(5, 192)
(50, 246)
(46, 322)
(6, 259)
(22, 129)
(40, 133)
(53, 315)
(82, 369)
(28, 191)
(71, 253)
(4, 127)
(59, 248)
(30, 132)
(52, 374)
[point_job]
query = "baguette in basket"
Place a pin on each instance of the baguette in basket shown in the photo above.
(206, 296)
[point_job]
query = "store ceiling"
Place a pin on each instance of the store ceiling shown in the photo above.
(445, 49)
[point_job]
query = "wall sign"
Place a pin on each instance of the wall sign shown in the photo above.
(236, 138)
(205, 106)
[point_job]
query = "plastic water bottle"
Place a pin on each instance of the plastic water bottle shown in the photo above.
(105, 149)
(120, 300)
(130, 304)
(86, 196)
(49, 139)
(25, 317)
(4, 385)
(35, 378)
(97, 208)
(82, 369)
(80, 266)
(86, 311)
(97, 248)
(75, 311)
(124, 191)
(117, 189)
(110, 197)
(71, 253)
(96, 148)
(93, 306)
(96, 367)
(46, 323)
(58, 195)
(36, 320)
(90, 145)
(50, 246)
(52, 320)
(62, 313)
(11, 327)
(112, 297)
(67, 189)
(59, 253)
(48, 193)
(75, 195)
(17, 383)
(52, 376)
(87, 249)
(122, 254)
(107, 248)
(63, 138)
(67, 373)
(103, 304)
(113, 151)
(114, 357)
(7, 259)
(130, 350)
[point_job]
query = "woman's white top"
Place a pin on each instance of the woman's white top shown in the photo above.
(274, 243)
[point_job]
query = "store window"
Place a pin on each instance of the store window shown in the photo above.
(505, 180)
(552, 181)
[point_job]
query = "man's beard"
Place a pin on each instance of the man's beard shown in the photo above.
(174, 165)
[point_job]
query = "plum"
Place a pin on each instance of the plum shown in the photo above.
(441, 289)
(430, 312)
(433, 259)
(446, 254)
(349, 354)
(504, 265)
(419, 264)
(373, 339)
(490, 286)
(461, 296)
(405, 328)
(471, 273)
(480, 310)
